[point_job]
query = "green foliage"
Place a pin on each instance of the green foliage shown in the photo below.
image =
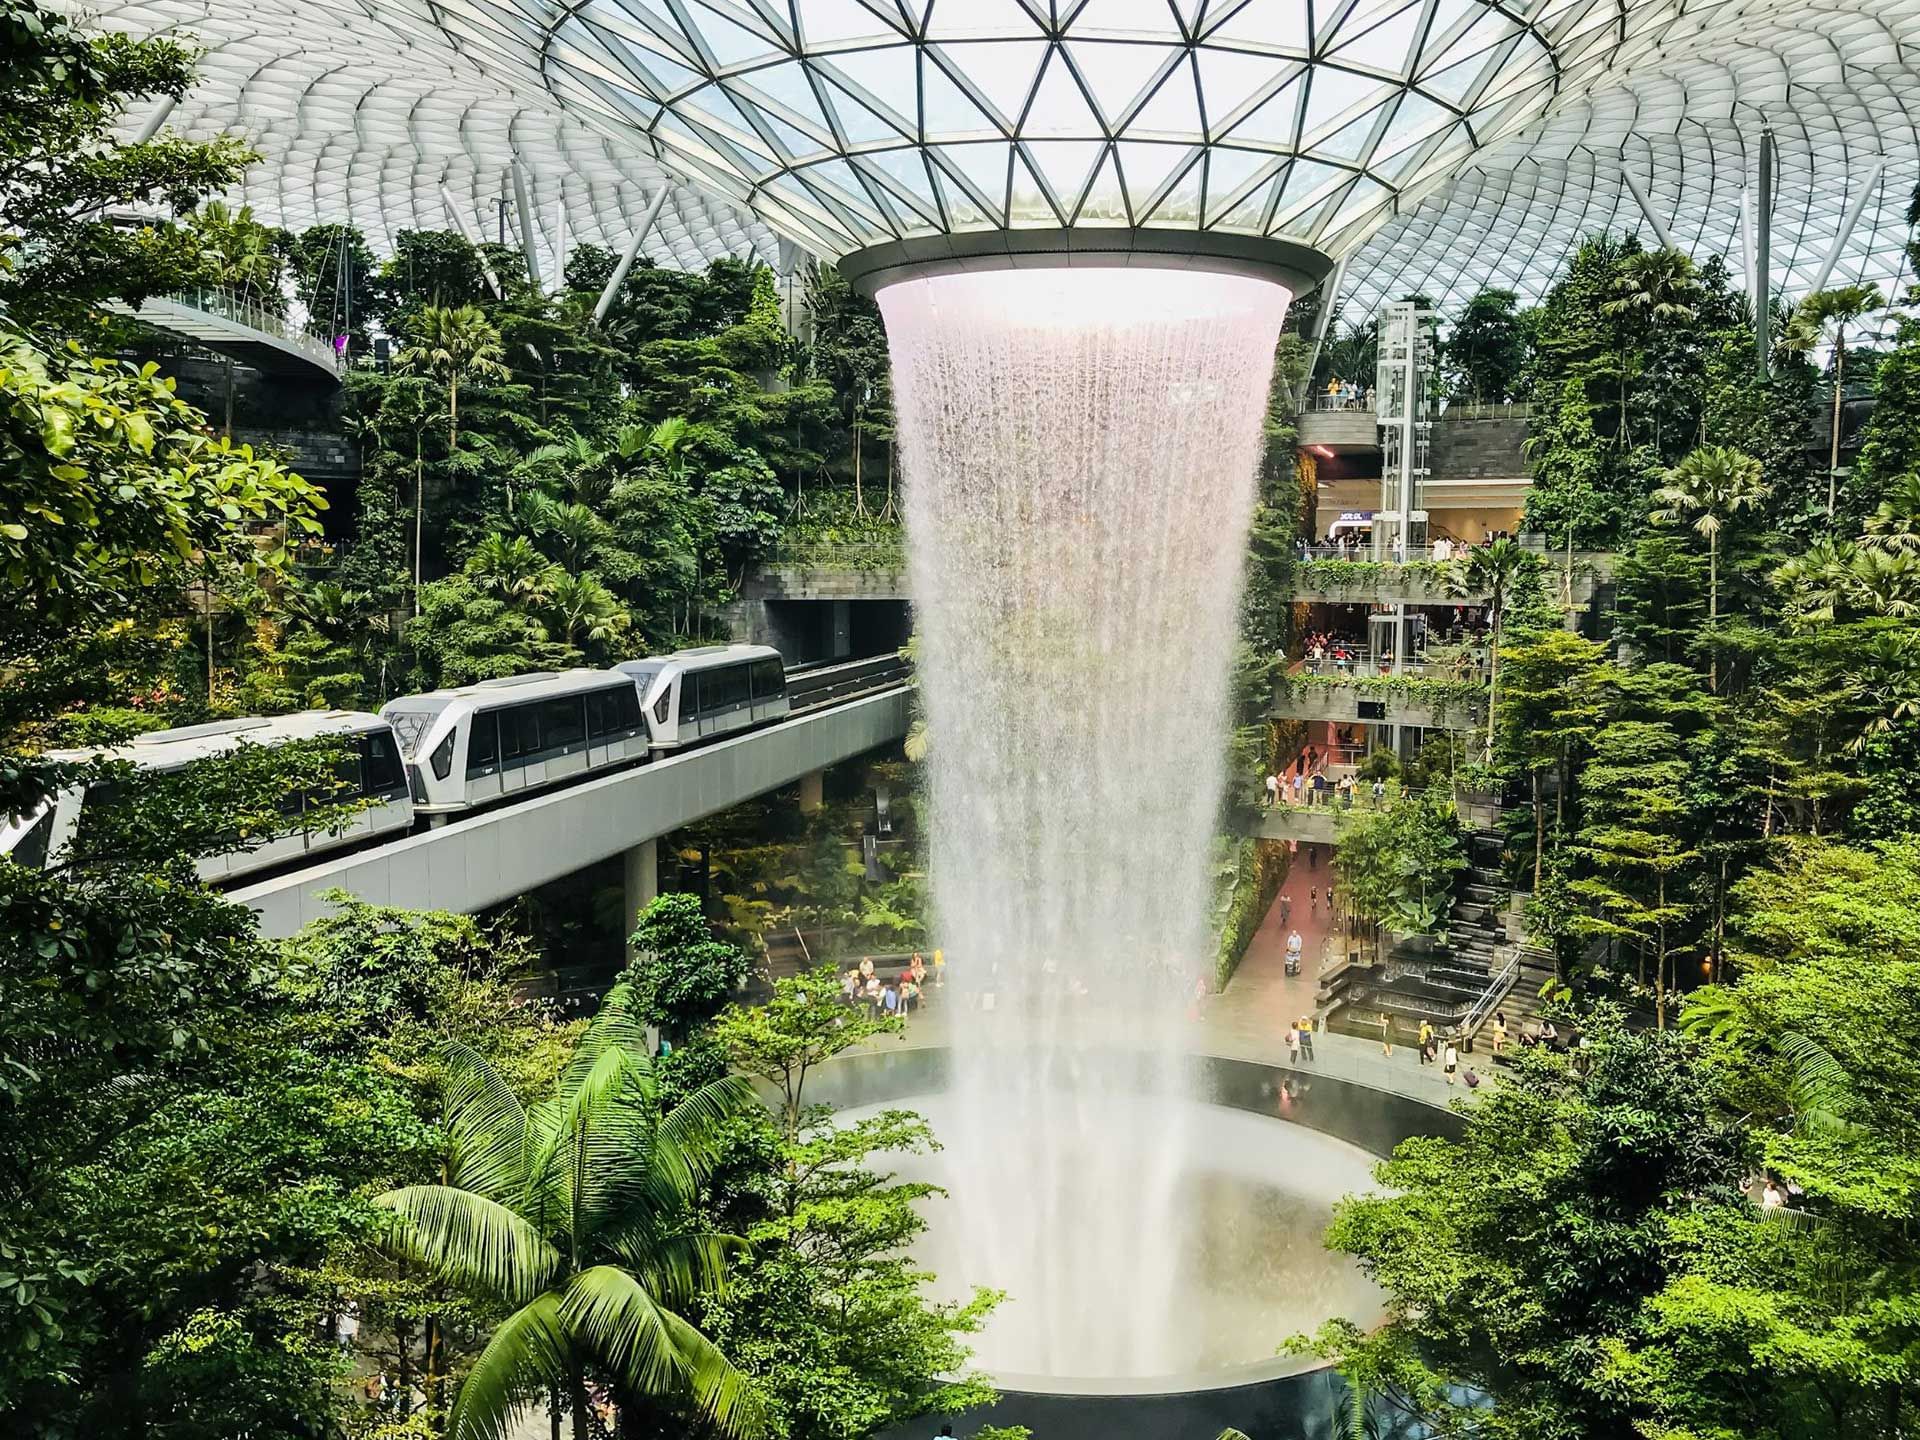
(1396, 863)
(1443, 696)
(1258, 870)
(682, 976)
(63, 93)
(1521, 1258)
(575, 1215)
(1487, 348)
(827, 1313)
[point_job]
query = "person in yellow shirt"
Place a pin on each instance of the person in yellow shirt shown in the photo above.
(940, 969)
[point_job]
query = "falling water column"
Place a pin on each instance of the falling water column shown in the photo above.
(1080, 449)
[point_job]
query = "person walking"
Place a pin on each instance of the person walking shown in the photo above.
(1293, 1044)
(1273, 791)
(1379, 792)
(1313, 899)
(1386, 1034)
(1426, 1042)
(1306, 1038)
(1286, 906)
(1499, 1031)
(1451, 1059)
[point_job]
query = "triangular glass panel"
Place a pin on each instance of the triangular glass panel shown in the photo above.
(1146, 167)
(1174, 108)
(907, 169)
(1349, 142)
(1028, 202)
(1002, 70)
(862, 125)
(1065, 164)
(1413, 121)
(1227, 172)
(1274, 122)
(1360, 202)
(1453, 84)
(947, 109)
(1384, 46)
(827, 22)
(998, 19)
(1333, 93)
(1302, 181)
(1115, 74)
(983, 165)
(1267, 23)
(730, 42)
(1058, 107)
(668, 77)
(1105, 202)
(884, 74)
(1229, 80)
(1180, 210)
(1488, 29)
(1250, 215)
(1146, 19)
(963, 211)
(787, 86)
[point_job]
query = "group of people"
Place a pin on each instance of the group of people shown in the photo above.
(1438, 1049)
(1346, 395)
(887, 996)
(1298, 787)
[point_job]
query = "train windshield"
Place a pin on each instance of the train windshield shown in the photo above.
(411, 727)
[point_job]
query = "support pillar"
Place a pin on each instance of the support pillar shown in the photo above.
(813, 786)
(1762, 256)
(466, 233)
(523, 213)
(642, 864)
(630, 254)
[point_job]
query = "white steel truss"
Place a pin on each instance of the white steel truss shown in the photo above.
(1438, 145)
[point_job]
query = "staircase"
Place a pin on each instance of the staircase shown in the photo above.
(1445, 985)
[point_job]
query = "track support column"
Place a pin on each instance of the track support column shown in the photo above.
(642, 883)
(813, 787)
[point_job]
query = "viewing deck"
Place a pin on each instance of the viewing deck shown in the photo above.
(229, 325)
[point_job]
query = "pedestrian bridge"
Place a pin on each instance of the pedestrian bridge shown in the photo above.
(493, 856)
(230, 325)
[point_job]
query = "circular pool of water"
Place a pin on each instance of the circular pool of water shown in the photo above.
(1234, 1264)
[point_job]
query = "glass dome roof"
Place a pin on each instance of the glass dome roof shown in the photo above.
(1438, 145)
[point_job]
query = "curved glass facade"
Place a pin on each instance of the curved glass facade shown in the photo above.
(1439, 145)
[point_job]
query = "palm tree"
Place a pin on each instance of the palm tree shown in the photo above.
(585, 610)
(1713, 484)
(512, 569)
(577, 1215)
(1492, 570)
(1894, 525)
(452, 344)
(574, 534)
(1823, 317)
(1652, 287)
(1887, 683)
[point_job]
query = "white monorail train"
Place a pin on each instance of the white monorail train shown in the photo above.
(374, 773)
(476, 744)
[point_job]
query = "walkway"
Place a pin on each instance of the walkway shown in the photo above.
(231, 325)
(1248, 1021)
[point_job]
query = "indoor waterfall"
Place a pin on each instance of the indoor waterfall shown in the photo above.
(1080, 449)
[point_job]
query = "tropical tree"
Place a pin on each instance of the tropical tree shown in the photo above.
(1895, 523)
(509, 566)
(583, 610)
(1651, 287)
(452, 344)
(1710, 487)
(577, 1215)
(1495, 571)
(1823, 318)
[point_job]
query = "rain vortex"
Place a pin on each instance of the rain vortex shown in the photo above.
(1080, 449)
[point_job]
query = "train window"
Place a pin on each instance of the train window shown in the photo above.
(563, 722)
(380, 765)
(660, 705)
(769, 680)
(483, 743)
(443, 756)
(693, 696)
(524, 721)
(625, 709)
(598, 705)
(30, 849)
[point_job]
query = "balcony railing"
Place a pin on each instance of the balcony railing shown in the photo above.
(843, 556)
(239, 309)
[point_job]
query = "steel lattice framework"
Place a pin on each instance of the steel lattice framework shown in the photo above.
(1437, 145)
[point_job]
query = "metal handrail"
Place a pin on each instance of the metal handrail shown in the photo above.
(1321, 400)
(1477, 410)
(218, 300)
(1477, 1013)
(849, 555)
